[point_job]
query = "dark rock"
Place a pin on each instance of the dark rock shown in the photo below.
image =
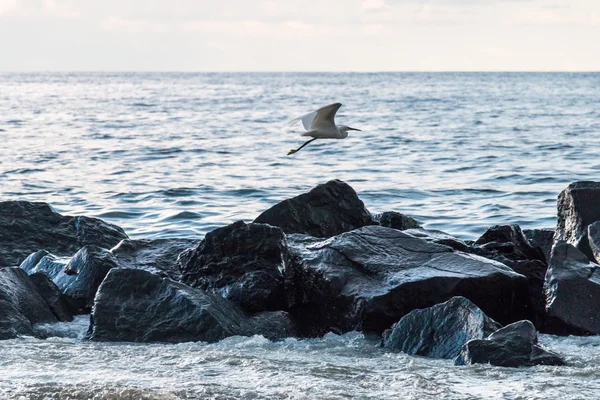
(62, 307)
(594, 239)
(325, 211)
(439, 331)
(243, 263)
(78, 278)
(508, 242)
(273, 325)
(514, 345)
(27, 227)
(137, 306)
(535, 272)
(578, 207)
(158, 256)
(21, 305)
(439, 237)
(508, 245)
(573, 288)
(395, 220)
(369, 278)
(542, 238)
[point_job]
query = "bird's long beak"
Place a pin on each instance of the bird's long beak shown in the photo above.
(354, 129)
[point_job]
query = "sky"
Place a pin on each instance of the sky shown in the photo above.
(299, 35)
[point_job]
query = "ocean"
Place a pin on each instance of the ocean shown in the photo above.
(179, 154)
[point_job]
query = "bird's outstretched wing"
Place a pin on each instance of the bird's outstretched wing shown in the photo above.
(321, 119)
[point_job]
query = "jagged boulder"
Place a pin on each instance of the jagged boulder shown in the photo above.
(27, 227)
(515, 345)
(62, 306)
(371, 277)
(158, 256)
(506, 243)
(137, 306)
(77, 278)
(326, 210)
(439, 237)
(21, 305)
(243, 263)
(578, 207)
(396, 220)
(441, 330)
(542, 238)
(573, 288)
(594, 239)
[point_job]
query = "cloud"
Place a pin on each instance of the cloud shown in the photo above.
(439, 15)
(373, 5)
(37, 8)
(558, 17)
(259, 29)
(7, 6)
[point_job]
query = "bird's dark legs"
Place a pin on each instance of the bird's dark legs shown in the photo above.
(300, 148)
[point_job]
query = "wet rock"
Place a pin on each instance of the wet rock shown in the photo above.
(439, 237)
(395, 220)
(21, 305)
(371, 277)
(594, 239)
(508, 243)
(158, 256)
(573, 288)
(326, 210)
(535, 272)
(137, 306)
(62, 307)
(27, 227)
(241, 262)
(441, 330)
(578, 207)
(515, 345)
(542, 238)
(77, 278)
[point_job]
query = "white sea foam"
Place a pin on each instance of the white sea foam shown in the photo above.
(334, 367)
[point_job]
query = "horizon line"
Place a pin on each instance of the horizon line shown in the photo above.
(294, 72)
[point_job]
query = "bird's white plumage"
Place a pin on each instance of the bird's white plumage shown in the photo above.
(320, 124)
(321, 120)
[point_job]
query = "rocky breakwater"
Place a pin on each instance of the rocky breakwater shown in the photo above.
(319, 262)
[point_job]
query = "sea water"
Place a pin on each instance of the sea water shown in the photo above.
(179, 154)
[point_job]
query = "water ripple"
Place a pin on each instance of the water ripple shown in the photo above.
(167, 153)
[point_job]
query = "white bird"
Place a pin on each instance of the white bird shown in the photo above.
(320, 124)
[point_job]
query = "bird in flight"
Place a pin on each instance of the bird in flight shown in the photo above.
(320, 124)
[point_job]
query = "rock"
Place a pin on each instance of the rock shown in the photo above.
(21, 305)
(542, 238)
(241, 262)
(62, 307)
(514, 345)
(594, 239)
(78, 278)
(27, 227)
(158, 256)
(573, 288)
(326, 210)
(535, 272)
(395, 220)
(507, 242)
(439, 237)
(508, 245)
(137, 306)
(578, 207)
(439, 331)
(371, 277)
